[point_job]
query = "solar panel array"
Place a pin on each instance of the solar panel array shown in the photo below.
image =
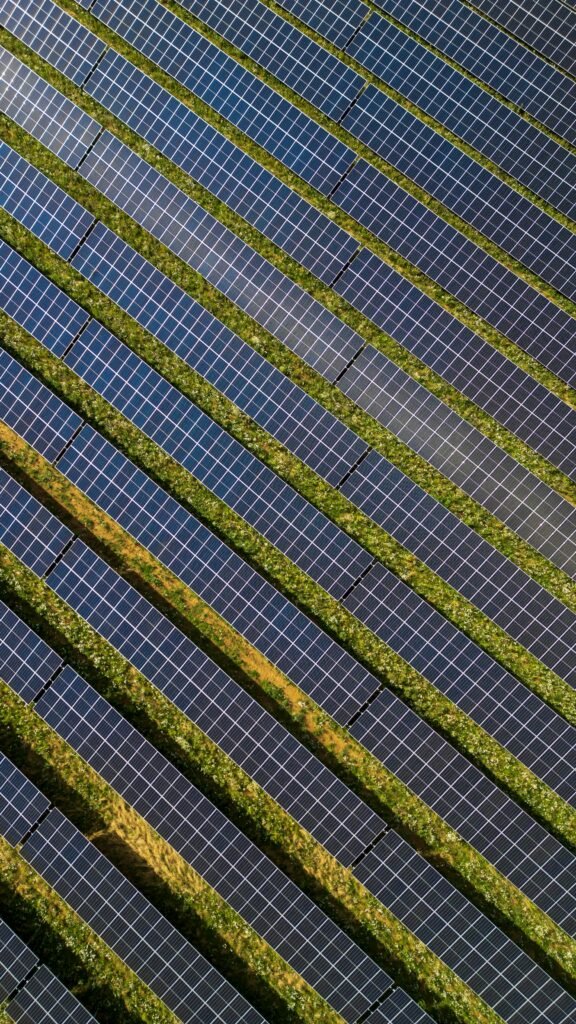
(500, 134)
(495, 58)
(548, 28)
(225, 98)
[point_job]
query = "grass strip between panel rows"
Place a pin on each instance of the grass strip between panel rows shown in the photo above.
(105, 985)
(364, 236)
(329, 396)
(152, 864)
(266, 558)
(530, 927)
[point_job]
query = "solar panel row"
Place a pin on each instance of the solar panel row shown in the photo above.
(530, 156)
(45, 1000)
(27, 662)
(284, 51)
(485, 472)
(459, 355)
(442, 252)
(37, 203)
(34, 411)
(481, 198)
(427, 903)
(132, 927)
(28, 528)
(217, 460)
(495, 58)
(200, 833)
(21, 803)
(44, 112)
(336, 21)
(243, 99)
(16, 959)
(211, 843)
(59, 39)
(454, 663)
(549, 28)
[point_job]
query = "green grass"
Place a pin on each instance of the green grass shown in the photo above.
(156, 718)
(66, 944)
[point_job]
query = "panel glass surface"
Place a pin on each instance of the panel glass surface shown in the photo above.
(225, 858)
(459, 355)
(228, 263)
(220, 462)
(468, 458)
(336, 21)
(16, 960)
(464, 939)
(34, 200)
(52, 33)
(27, 662)
(221, 167)
(33, 411)
(467, 188)
(45, 1000)
(21, 803)
(28, 528)
(547, 27)
(219, 355)
(43, 111)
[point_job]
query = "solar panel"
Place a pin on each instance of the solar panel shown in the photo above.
(16, 961)
(41, 206)
(46, 1000)
(464, 939)
(506, 835)
(493, 57)
(336, 21)
(528, 506)
(547, 27)
(275, 627)
(219, 355)
(229, 716)
(223, 856)
(248, 103)
(240, 273)
(21, 803)
(506, 302)
(533, 158)
(43, 112)
(220, 462)
(284, 51)
(459, 355)
(28, 529)
(513, 600)
(37, 304)
(27, 663)
(33, 411)
(464, 186)
(41, 24)
(132, 927)
(210, 158)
